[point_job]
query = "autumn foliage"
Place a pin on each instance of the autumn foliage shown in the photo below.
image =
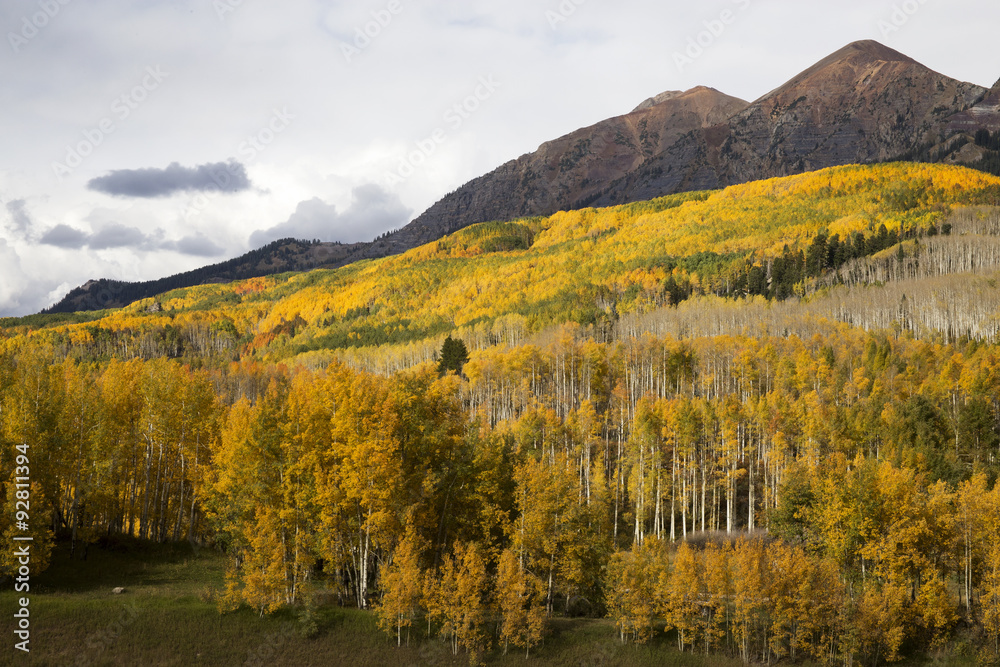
(761, 478)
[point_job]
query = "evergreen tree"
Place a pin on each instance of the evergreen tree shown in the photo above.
(454, 356)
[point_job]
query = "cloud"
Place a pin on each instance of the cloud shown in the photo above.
(198, 245)
(372, 211)
(14, 286)
(115, 235)
(19, 216)
(64, 236)
(151, 183)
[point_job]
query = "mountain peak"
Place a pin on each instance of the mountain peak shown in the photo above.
(864, 103)
(677, 94)
(658, 99)
(870, 50)
(845, 69)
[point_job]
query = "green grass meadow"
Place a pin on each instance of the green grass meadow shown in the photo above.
(167, 616)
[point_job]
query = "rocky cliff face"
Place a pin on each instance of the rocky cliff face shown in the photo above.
(984, 114)
(865, 103)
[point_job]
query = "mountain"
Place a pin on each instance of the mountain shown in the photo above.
(865, 103)
(985, 114)
(573, 171)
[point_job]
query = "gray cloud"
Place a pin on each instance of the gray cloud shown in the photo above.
(64, 236)
(115, 235)
(151, 183)
(198, 245)
(19, 216)
(372, 211)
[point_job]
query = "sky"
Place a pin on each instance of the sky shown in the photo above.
(143, 138)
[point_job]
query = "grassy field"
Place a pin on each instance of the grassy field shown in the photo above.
(167, 616)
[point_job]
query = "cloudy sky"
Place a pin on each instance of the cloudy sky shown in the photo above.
(141, 138)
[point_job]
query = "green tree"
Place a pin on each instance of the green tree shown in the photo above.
(454, 356)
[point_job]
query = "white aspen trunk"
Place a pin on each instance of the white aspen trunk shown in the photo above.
(673, 498)
(729, 501)
(704, 483)
(684, 521)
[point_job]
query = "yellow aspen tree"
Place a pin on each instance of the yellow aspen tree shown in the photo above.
(401, 583)
(787, 566)
(749, 614)
(682, 603)
(936, 609)
(718, 591)
(883, 619)
(263, 571)
(120, 443)
(77, 430)
(456, 599)
(520, 598)
(971, 505)
(820, 602)
(634, 589)
(28, 423)
(990, 594)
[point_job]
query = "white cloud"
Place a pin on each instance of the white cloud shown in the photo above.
(372, 212)
(13, 280)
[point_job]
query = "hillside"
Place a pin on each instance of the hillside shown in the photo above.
(277, 257)
(592, 267)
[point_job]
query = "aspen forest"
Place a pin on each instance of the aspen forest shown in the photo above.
(761, 422)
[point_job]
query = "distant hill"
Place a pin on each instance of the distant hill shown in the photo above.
(278, 257)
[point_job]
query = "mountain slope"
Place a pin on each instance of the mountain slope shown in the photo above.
(591, 267)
